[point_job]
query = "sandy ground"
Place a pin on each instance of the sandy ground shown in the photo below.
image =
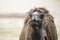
(10, 28)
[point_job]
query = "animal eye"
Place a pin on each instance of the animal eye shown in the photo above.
(44, 12)
(41, 16)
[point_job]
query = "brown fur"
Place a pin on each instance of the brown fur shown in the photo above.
(51, 32)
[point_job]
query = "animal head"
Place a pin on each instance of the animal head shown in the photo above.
(39, 25)
(35, 17)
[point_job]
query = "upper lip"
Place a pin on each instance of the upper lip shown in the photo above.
(35, 23)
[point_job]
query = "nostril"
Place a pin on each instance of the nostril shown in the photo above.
(31, 22)
(34, 20)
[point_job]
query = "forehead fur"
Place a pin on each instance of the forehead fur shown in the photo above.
(38, 10)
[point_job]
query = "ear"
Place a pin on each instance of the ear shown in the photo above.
(44, 10)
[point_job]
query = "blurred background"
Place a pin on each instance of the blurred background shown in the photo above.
(12, 14)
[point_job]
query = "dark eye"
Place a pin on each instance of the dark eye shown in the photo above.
(41, 16)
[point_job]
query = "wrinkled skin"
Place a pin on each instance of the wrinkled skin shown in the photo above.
(39, 25)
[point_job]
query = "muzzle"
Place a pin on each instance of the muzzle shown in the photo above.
(36, 19)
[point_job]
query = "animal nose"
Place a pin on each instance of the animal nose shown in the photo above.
(36, 18)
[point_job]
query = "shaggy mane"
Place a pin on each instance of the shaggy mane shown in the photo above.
(49, 25)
